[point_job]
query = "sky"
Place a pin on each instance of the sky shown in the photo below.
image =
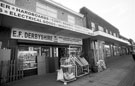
(119, 13)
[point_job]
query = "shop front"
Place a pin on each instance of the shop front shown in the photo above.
(101, 48)
(40, 53)
(37, 42)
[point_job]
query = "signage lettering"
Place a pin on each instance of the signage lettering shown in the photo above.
(37, 36)
(4, 5)
(20, 33)
(13, 11)
(14, 34)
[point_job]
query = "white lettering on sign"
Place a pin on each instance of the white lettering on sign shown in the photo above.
(37, 36)
(17, 12)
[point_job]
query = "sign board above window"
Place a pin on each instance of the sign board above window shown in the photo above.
(44, 37)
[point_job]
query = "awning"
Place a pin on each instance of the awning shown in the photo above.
(109, 38)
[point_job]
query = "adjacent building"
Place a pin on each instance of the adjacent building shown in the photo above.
(106, 40)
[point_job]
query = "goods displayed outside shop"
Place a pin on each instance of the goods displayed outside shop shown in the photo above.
(73, 66)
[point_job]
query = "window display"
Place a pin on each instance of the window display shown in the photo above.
(28, 58)
(74, 50)
(67, 70)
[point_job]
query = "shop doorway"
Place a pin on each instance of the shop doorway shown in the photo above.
(52, 56)
(54, 60)
(62, 52)
(46, 52)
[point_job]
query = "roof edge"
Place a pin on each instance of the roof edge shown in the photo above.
(63, 7)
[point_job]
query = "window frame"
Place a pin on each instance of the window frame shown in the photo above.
(71, 19)
(46, 10)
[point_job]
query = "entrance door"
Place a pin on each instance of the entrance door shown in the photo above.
(52, 57)
(62, 52)
(49, 59)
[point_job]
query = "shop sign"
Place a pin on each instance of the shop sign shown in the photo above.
(31, 35)
(38, 36)
(17, 12)
(62, 39)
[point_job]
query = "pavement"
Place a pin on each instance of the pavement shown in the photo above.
(120, 72)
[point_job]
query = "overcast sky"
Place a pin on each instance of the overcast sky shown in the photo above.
(120, 13)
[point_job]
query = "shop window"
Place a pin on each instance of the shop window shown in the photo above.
(74, 50)
(46, 10)
(71, 19)
(10, 1)
(28, 56)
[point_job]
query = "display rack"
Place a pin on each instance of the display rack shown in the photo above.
(82, 66)
(73, 66)
(67, 71)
